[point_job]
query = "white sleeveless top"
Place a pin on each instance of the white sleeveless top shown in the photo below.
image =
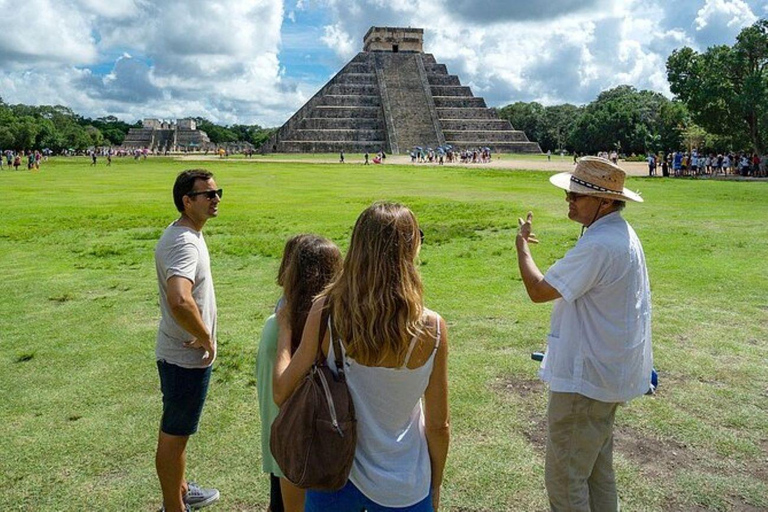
(391, 465)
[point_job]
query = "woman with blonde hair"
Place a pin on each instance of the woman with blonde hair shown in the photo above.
(396, 365)
(309, 263)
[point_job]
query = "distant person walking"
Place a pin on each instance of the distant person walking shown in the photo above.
(599, 345)
(186, 338)
(366, 159)
(341, 156)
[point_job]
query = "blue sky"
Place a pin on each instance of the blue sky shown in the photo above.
(258, 61)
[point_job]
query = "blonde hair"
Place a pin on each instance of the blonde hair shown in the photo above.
(377, 299)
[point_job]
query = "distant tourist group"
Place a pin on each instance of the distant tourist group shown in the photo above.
(352, 367)
(29, 159)
(695, 163)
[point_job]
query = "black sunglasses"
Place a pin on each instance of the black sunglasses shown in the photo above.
(421, 236)
(210, 194)
(573, 196)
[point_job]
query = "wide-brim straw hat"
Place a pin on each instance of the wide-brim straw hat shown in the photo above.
(598, 177)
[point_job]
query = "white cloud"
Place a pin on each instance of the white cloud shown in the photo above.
(719, 21)
(44, 32)
(336, 38)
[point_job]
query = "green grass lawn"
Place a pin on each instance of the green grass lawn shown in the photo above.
(78, 312)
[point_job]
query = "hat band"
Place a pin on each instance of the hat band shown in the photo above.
(593, 186)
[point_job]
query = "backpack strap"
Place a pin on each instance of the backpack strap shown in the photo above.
(338, 357)
(324, 323)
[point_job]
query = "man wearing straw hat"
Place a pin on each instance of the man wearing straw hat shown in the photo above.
(599, 346)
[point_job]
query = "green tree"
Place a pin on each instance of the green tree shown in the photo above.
(628, 120)
(557, 123)
(726, 88)
(528, 117)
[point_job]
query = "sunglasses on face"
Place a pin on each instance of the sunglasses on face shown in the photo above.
(209, 194)
(573, 196)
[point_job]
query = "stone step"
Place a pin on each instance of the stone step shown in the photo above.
(465, 113)
(338, 135)
(457, 101)
(314, 146)
(486, 135)
(357, 112)
(356, 78)
(435, 69)
(451, 90)
(341, 123)
(353, 90)
(475, 124)
(358, 68)
(497, 147)
(443, 80)
(351, 100)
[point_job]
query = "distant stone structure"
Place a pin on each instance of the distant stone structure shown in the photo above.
(394, 97)
(162, 136)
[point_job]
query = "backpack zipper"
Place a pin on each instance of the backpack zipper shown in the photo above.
(329, 399)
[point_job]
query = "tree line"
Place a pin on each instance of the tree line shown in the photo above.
(59, 128)
(721, 103)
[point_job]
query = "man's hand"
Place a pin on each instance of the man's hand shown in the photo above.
(206, 344)
(524, 233)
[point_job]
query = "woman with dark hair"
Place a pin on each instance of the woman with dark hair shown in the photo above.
(396, 365)
(309, 263)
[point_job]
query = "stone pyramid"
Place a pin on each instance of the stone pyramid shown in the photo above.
(394, 97)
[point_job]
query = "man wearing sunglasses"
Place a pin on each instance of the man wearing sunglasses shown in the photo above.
(599, 346)
(186, 338)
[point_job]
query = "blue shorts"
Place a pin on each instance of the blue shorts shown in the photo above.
(350, 499)
(184, 391)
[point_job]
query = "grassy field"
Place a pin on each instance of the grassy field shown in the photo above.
(78, 314)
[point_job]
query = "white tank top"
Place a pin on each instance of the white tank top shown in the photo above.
(391, 465)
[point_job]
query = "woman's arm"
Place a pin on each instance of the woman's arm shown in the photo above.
(437, 416)
(289, 370)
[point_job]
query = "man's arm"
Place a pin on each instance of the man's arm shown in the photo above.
(185, 312)
(538, 289)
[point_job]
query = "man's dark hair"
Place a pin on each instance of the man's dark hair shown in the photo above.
(619, 205)
(185, 183)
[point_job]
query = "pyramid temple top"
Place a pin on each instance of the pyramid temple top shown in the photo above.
(393, 39)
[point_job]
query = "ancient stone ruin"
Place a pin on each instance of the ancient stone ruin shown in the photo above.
(157, 135)
(394, 97)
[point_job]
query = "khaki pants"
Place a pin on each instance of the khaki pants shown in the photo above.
(579, 465)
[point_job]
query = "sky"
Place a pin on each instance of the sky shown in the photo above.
(258, 61)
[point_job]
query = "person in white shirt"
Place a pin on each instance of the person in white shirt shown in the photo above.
(599, 347)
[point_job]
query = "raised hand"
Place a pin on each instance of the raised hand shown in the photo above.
(524, 229)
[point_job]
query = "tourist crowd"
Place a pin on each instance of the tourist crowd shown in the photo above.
(450, 155)
(699, 163)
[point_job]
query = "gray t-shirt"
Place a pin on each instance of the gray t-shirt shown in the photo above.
(182, 252)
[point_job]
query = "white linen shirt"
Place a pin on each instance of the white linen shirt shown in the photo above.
(599, 343)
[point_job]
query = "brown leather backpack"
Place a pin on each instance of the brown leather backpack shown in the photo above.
(313, 438)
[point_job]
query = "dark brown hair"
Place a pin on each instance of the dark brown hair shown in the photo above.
(310, 262)
(185, 183)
